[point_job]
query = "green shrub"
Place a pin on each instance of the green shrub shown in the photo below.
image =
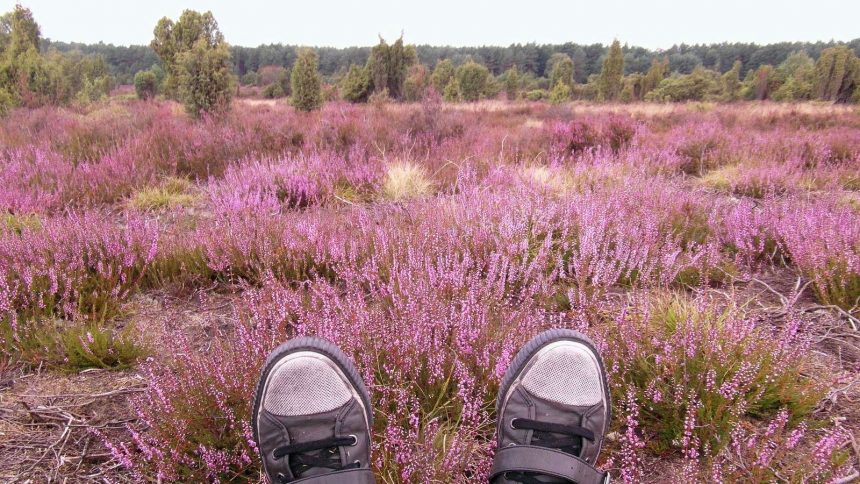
(273, 91)
(560, 93)
(442, 74)
(452, 91)
(16, 223)
(700, 85)
(472, 79)
(145, 85)
(73, 346)
(355, 86)
(537, 95)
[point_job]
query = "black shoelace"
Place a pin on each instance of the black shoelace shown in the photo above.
(301, 459)
(566, 438)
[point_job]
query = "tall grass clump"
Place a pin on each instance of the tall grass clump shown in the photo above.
(171, 193)
(406, 180)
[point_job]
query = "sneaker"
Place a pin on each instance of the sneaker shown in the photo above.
(312, 416)
(553, 411)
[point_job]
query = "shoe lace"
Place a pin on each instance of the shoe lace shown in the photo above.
(301, 458)
(566, 438)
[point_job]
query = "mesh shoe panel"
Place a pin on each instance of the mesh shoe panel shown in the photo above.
(305, 386)
(566, 374)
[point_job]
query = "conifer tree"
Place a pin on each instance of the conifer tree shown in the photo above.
(305, 82)
(355, 86)
(560, 93)
(612, 73)
(387, 66)
(732, 82)
(656, 73)
(196, 59)
(512, 83)
(562, 71)
(837, 74)
(451, 93)
(472, 78)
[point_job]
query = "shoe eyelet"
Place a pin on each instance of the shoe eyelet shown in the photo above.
(512, 424)
(282, 477)
(354, 440)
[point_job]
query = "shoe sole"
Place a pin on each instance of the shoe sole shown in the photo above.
(532, 348)
(316, 345)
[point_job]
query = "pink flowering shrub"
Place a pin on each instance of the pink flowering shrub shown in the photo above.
(822, 238)
(75, 267)
(602, 218)
(445, 328)
(780, 451)
(745, 230)
(687, 372)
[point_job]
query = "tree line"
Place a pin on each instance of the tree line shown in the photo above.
(189, 60)
(31, 76)
(125, 61)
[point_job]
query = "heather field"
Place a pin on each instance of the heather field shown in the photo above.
(150, 261)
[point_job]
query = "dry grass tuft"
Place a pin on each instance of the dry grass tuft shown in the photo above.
(171, 193)
(405, 181)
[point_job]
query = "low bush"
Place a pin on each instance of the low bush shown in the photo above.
(77, 267)
(74, 346)
(688, 372)
(822, 238)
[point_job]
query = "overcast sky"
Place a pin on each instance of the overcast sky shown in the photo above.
(649, 23)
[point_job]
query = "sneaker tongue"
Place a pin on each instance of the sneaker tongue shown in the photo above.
(546, 439)
(309, 428)
(303, 471)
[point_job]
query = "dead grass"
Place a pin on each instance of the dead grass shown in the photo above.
(405, 180)
(171, 193)
(47, 422)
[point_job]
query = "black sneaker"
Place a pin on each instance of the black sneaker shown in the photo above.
(312, 416)
(553, 411)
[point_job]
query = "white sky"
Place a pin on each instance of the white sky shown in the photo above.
(648, 23)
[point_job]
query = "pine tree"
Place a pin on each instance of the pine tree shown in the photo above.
(305, 82)
(612, 73)
(562, 71)
(731, 81)
(656, 73)
(197, 61)
(560, 93)
(837, 74)
(355, 86)
(512, 83)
